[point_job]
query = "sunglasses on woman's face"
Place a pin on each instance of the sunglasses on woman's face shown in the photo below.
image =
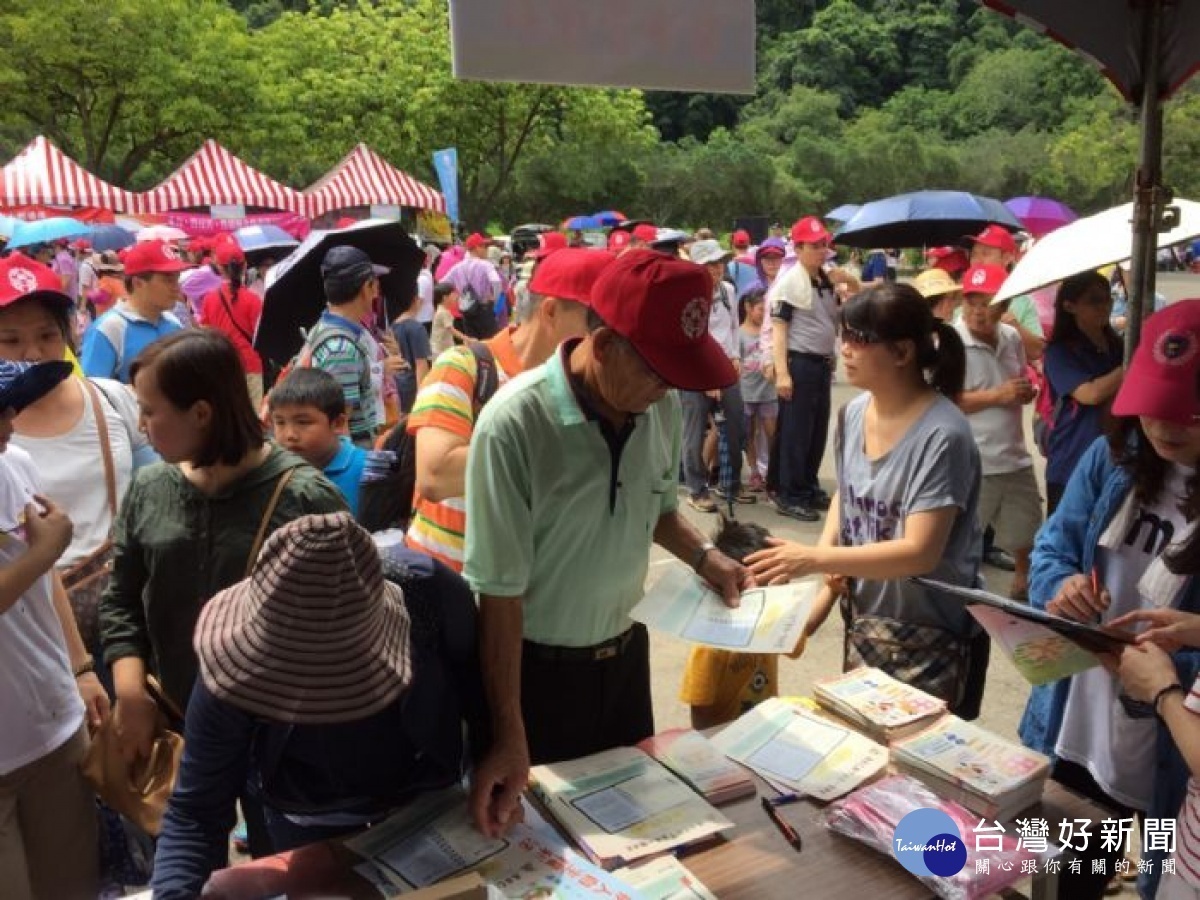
(858, 336)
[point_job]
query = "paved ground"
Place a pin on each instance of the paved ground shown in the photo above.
(1006, 691)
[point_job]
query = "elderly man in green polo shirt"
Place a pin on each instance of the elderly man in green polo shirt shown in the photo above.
(572, 475)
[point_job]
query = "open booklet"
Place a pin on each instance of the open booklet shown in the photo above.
(434, 838)
(794, 747)
(769, 620)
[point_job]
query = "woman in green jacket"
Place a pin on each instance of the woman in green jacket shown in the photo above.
(191, 525)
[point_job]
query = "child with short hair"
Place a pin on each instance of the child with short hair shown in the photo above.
(758, 392)
(720, 685)
(309, 418)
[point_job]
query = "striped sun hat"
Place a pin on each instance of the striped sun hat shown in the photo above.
(315, 635)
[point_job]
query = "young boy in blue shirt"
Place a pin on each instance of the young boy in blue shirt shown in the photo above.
(309, 418)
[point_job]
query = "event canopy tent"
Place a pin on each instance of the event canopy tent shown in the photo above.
(41, 174)
(364, 178)
(214, 176)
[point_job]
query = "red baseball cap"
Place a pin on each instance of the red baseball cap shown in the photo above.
(81, 244)
(984, 280)
(154, 256)
(1161, 380)
(618, 240)
(22, 277)
(740, 239)
(810, 230)
(478, 240)
(551, 242)
(570, 273)
(996, 236)
(646, 233)
(660, 304)
(228, 251)
(948, 259)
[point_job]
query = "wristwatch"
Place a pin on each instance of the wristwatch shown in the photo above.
(701, 555)
(88, 665)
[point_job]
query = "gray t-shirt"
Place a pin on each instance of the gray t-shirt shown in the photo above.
(755, 387)
(935, 465)
(811, 330)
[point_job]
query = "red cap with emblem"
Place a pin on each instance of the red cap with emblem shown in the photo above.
(154, 256)
(810, 230)
(22, 277)
(570, 273)
(660, 304)
(984, 280)
(1161, 380)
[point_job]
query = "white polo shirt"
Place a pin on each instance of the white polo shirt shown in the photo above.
(999, 430)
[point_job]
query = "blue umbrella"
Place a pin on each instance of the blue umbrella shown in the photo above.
(609, 218)
(924, 218)
(43, 231)
(8, 225)
(582, 223)
(255, 238)
(110, 237)
(843, 213)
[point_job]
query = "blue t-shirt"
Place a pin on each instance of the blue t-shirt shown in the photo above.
(413, 341)
(114, 340)
(1067, 366)
(345, 470)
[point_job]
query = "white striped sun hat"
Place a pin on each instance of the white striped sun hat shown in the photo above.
(315, 635)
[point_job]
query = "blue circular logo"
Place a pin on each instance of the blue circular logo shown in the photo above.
(927, 842)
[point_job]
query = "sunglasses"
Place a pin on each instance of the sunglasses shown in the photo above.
(858, 336)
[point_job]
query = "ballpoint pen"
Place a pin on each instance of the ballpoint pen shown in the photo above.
(790, 834)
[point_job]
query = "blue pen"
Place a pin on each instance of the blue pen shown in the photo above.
(785, 799)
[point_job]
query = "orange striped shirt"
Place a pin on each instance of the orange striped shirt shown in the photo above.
(446, 401)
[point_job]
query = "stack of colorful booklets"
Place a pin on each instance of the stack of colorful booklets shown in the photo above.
(877, 704)
(622, 805)
(963, 762)
(692, 757)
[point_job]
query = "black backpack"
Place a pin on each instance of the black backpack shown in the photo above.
(388, 502)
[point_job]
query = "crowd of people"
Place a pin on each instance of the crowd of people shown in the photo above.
(422, 543)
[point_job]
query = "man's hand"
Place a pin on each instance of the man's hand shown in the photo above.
(1077, 600)
(727, 577)
(1016, 392)
(496, 787)
(394, 365)
(783, 386)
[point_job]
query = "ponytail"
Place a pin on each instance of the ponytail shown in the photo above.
(947, 362)
(235, 271)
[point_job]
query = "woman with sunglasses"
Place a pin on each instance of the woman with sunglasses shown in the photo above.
(908, 477)
(1083, 370)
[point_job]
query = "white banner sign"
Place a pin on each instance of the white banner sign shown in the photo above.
(669, 45)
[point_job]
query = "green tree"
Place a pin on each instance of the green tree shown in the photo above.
(125, 86)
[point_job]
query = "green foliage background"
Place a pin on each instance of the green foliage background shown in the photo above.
(856, 99)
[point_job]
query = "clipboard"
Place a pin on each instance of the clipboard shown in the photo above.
(1094, 638)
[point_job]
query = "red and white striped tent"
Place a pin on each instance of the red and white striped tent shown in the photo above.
(364, 178)
(213, 175)
(41, 174)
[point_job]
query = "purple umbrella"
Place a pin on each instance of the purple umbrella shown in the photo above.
(1040, 215)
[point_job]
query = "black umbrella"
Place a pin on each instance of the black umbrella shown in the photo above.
(295, 295)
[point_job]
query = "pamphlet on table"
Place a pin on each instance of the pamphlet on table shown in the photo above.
(769, 619)
(621, 805)
(695, 759)
(877, 704)
(800, 750)
(664, 878)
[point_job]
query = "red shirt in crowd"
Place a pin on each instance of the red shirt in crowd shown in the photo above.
(237, 320)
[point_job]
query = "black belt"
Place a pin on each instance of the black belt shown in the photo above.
(817, 356)
(609, 649)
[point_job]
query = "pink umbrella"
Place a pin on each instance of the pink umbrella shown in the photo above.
(1040, 215)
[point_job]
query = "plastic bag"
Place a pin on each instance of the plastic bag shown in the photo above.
(871, 813)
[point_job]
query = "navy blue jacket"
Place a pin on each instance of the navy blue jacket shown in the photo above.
(366, 767)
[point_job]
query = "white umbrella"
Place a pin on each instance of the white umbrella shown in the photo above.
(161, 233)
(1090, 243)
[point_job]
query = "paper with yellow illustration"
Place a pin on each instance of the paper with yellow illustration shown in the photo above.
(769, 619)
(1040, 654)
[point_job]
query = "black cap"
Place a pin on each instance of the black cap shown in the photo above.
(344, 271)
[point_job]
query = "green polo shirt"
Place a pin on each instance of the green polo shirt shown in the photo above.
(559, 515)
